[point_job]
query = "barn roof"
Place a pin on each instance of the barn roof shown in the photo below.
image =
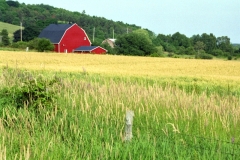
(54, 32)
(87, 48)
(112, 39)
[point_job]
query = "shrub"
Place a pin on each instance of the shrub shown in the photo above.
(217, 52)
(170, 54)
(33, 43)
(33, 93)
(157, 55)
(5, 38)
(181, 50)
(202, 55)
(190, 51)
(20, 45)
(159, 52)
(229, 57)
(44, 45)
(170, 48)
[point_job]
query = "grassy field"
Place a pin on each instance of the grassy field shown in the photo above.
(123, 65)
(10, 28)
(183, 108)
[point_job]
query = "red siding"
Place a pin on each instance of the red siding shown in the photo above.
(74, 37)
(55, 47)
(99, 50)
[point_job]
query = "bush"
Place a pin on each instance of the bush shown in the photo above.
(202, 55)
(20, 45)
(170, 54)
(229, 57)
(134, 44)
(109, 49)
(33, 43)
(5, 38)
(217, 52)
(181, 50)
(33, 93)
(159, 52)
(157, 55)
(44, 45)
(190, 51)
(170, 48)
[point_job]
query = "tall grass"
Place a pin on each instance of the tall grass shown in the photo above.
(87, 121)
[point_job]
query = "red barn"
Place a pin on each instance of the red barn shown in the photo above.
(90, 49)
(65, 37)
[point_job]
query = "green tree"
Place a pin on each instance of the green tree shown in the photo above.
(217, 52)
(13, 3)
(195, 39)
(134, 44)
(146, 33)
(190, 51)
(180, 40)
(108, 48)
(210, 42)
(5, 38)
(224, 44)
(28, 34)
(199, 46)
(3, 7)
(44, 45)
(170, 48)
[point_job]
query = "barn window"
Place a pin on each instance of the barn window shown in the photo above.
(85, 38)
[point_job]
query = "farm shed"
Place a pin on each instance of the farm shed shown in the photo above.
(65, 37)
(90, 49)
(110, 42)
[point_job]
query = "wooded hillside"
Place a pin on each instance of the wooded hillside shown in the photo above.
(39, 16)
(34, 18)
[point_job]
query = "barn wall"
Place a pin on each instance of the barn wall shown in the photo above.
(73, 38)
(55, 47)
(99, 50)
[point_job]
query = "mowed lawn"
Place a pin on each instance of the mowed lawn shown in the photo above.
(124, 65)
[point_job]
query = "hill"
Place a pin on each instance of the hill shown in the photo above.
(39, 16)
(36, 17)
(10, 28)
(236, 45)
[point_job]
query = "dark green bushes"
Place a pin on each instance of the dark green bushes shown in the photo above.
(32, 92)
(203, 55)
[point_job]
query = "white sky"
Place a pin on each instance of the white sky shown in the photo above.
(189, 17)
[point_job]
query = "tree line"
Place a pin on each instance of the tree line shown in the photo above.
(131, 39)
(36, 17)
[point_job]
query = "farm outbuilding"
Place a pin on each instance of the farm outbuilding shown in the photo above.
(90, 49)
(65, 37)
(110, 42)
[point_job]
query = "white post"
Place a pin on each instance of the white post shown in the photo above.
(128, 126)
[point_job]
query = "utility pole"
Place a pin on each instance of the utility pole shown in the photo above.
(113, 33)
(21, 31)
(93, 33)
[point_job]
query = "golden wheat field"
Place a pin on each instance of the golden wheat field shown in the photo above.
(217, 70)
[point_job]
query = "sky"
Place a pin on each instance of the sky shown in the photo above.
(189, 17)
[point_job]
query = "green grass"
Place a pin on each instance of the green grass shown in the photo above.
(10, 28)
(88, 117)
